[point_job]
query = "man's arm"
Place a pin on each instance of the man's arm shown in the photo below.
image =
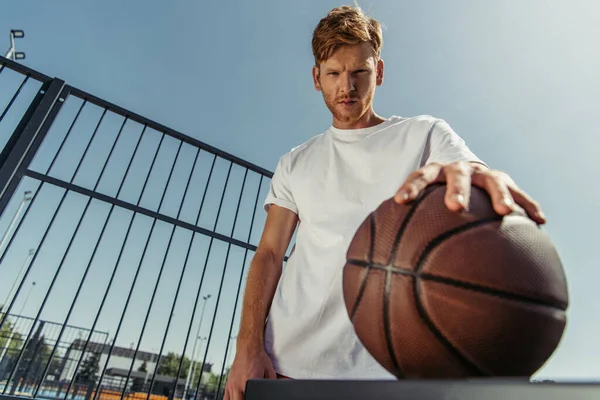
(263, 276)
(449, 159)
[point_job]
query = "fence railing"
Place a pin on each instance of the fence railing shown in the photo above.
(128, 240)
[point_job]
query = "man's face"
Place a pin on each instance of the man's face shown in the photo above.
(348, 80)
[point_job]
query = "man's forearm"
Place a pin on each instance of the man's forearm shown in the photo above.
(263, 277)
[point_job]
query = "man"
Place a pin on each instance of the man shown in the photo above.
(325, 188)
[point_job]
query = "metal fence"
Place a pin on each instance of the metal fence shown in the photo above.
(125, 246)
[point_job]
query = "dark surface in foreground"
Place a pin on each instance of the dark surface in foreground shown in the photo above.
(476, 389)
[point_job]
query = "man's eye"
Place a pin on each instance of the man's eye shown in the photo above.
(332, 73)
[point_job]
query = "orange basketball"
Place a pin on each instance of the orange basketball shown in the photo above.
(434, 293)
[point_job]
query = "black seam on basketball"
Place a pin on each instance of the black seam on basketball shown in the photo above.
(388, 278)
(386, 325)
(471, 365)
(503, 294)
(489, 291)
(407, 218)
(435, 242)
(363, 284)
(486, 289)
(472, 368)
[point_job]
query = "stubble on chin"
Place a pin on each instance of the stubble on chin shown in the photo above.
(345, 116)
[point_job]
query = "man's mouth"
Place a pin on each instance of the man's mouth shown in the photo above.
(348, 102)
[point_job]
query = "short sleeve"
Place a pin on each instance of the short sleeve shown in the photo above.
(445, 146)
(280, 192)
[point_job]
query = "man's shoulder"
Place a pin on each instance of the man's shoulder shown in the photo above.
(417, 121)
(301, 150)
(308, 144)
(421, 127)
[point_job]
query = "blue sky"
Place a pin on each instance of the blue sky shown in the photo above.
(519, 81)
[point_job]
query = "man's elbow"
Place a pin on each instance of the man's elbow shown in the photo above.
(268, 256)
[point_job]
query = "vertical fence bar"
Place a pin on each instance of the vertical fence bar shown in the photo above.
(66, 253)
(46, 368)
(114, 271)
(87, 148)
(183, 270)
(239, 282)
(189, 330)
(12, 100)
(14, 235)
(136, 272)
(19, 158)
(159, 275)
(21, 285)
(220, 287)
(22, 146)
(64, 139)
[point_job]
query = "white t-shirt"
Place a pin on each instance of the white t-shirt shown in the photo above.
(333, 182)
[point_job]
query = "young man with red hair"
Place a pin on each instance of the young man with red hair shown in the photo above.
(294, 321)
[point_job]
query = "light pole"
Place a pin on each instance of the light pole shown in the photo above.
(194, 364)
(26, 198)
(12, 53)
(10, 293)
(26, 298)
(189, 377)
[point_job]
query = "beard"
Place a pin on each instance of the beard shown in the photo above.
(347, 114)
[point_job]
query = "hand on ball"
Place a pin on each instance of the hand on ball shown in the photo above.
(506, 196)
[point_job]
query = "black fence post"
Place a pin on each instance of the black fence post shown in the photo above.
(27, 137)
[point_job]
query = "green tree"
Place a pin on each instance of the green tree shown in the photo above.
(213, 380)
(56, 366)
(89, 369)
(169, 365)
(40, 359)
(35, 356)
(7, 333)
(197, 374)
(212, 383)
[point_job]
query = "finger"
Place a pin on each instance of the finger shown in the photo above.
(496, 187)
(237, 394)
(417, 181)
(458, 186)
(531, 207)
(477, 167)
(232, 392)
(270, 372)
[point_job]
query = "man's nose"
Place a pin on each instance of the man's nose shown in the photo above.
(347, 83)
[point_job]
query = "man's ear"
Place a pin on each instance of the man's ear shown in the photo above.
(380, 68)
(315, 75)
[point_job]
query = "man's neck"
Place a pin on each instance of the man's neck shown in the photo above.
(366, 121)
